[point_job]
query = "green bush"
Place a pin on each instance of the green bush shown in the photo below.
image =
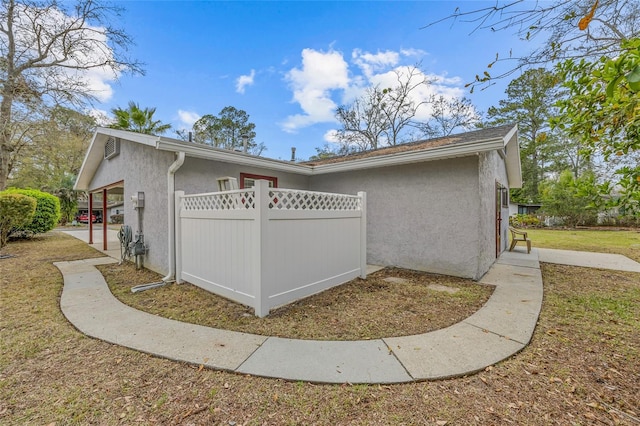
(16, 210)
(524, 220)
(117, 218)
(572, 200)
(47, 212)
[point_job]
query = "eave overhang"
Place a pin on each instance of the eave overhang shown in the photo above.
(95, 153)
(512, 158)
(226, 156)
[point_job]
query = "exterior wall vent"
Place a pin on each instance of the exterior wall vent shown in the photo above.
(227, 183)
(111, 148)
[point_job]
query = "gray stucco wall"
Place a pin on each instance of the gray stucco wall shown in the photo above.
(199, 176)
(419, 216)
(491, 170)
(435, 216)
(142, 168)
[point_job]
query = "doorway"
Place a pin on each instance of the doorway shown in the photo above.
(501, 201)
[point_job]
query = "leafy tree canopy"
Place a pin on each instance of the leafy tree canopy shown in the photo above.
(227, 130)
(603, 112)
(53, 154)
(574, 200)
(530, 103)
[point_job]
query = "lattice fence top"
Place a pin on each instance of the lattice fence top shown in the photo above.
(228, 200)
(279, 199)
(291, 199)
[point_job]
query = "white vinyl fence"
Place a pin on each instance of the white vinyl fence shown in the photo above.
(266, 247)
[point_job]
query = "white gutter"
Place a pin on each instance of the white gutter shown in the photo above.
(171, 195)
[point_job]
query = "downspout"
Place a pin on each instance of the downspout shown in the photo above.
(171, 189)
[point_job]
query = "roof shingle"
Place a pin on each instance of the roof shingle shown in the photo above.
(422, 145)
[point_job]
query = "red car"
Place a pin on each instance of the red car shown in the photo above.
(83, 218)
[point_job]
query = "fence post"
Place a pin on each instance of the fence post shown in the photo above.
(363, 234)
(177, 241)
(259, 240)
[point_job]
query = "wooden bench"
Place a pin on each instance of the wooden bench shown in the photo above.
(516, 236)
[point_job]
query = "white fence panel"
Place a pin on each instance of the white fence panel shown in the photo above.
(305, 257)
(215, 244)
(269, 247)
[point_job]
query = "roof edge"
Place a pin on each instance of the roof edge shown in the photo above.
(507, 142)
(206, 152)
(400, 158)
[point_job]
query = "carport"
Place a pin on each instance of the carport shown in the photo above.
(116, 188)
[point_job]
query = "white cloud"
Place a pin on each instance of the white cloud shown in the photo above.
(188, 117)
(325, 76)
(98, 83)
(331, 136)
(321, 73)
(413, 52)
(370, 63)
(244, 81)
(449, 87)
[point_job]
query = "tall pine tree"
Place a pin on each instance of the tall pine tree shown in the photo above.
(530, 103)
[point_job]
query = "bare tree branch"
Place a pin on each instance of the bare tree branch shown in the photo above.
(555, 25)
(45, 48)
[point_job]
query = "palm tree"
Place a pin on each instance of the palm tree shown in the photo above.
(138, 120)
(67, 195)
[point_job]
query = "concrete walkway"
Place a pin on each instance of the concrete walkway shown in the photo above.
(82, 233)
(585, 259)
(501, 328)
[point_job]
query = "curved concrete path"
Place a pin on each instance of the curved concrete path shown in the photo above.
(501, 328)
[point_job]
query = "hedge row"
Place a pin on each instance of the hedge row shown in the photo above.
(15, 217)
(16, 210)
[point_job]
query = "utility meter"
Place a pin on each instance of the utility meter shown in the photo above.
(138, 200)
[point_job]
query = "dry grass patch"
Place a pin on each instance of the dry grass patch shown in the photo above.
(581, 367)
(361, 309)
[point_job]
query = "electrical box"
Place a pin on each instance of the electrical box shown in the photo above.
(138, 200)
(137, 248)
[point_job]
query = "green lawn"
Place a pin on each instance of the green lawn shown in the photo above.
(622, 242)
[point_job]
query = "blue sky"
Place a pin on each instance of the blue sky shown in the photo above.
(287, 64)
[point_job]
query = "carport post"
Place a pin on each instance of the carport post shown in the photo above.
(104, 219)
(89, 218)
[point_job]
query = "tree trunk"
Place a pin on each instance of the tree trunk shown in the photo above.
(4, 169)
(8, 93)
(5, 139)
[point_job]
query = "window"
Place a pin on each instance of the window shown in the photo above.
(505, 196)
(248, 180)
(502, 195)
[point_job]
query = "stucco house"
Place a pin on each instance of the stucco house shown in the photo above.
(434, 205)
